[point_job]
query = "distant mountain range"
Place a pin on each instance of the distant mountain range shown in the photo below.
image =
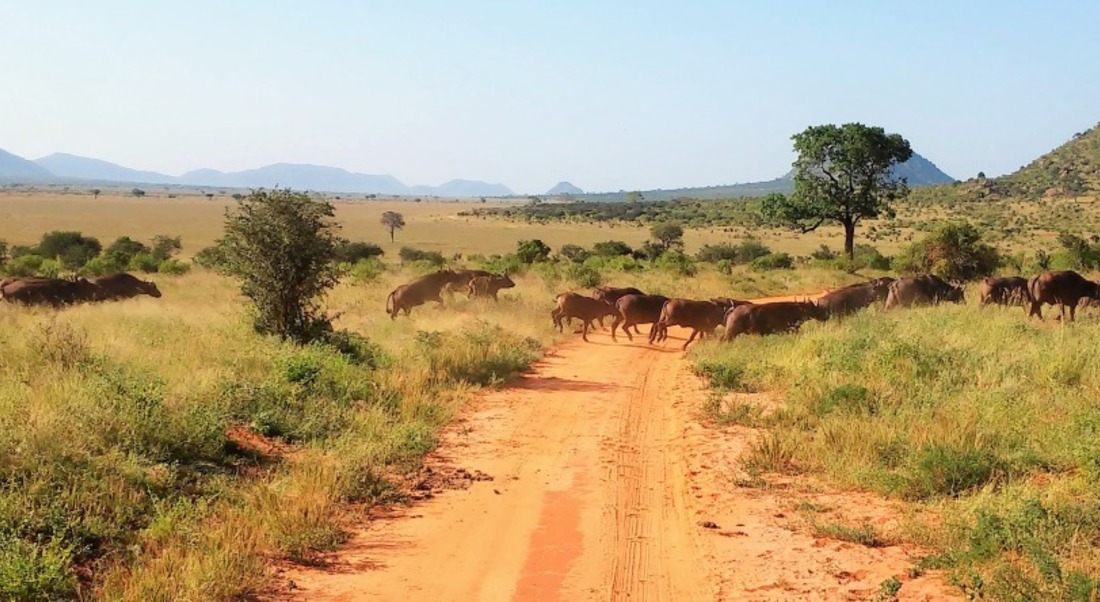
(63, 167)
(917, 171)
(66, 167)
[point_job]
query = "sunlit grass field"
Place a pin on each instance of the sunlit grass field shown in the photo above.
(986, 420)
(122, 475)
(430, 225)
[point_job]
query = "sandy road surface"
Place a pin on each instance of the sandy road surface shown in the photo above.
(602, 480)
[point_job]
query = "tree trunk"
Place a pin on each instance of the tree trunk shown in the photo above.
(850, 239)
(391, 236)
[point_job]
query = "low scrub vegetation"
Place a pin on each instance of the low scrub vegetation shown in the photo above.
(986, 420)
(59, 253)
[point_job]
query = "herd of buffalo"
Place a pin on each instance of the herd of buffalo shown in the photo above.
(629, 307)
(32, 290)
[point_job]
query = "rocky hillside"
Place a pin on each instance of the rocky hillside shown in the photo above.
(1069, 170)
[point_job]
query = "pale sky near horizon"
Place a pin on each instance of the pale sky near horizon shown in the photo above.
(607, 95)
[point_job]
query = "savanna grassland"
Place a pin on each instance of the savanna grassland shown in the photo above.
(159, 449)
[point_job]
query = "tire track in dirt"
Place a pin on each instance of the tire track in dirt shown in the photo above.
(602, 476)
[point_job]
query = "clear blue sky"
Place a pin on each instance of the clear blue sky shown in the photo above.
(609, 95)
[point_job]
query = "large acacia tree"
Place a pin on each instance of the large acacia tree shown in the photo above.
(843, 174)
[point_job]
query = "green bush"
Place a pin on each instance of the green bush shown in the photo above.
(574, 253)
(611, 248)
(945, 470)
(676, 263)
(121, 251)
(173, 267)
(35, 572)
(585, 276)
(24, 265)
(409, 255)
(212, 258)
(775, 261)
(143, 262)
(954, 251)
(72, 249)
(367, 270)
(530, 251)
(282, 246)
(354, 252)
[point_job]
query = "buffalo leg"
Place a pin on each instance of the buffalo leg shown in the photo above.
(584, 331)
(690, 339)
(626, 329)
(1073, 312)
(615, 324)
(1036, 310)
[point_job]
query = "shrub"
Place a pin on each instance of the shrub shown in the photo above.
(574, 253)
(945, 470)
(742, 253)
(668, 236)
(824, 253)
(212, 258)
(585, 276)
(611, 248)
(409, 254)
(3, 253)
(143, 262)
(73, 249)
(775, 261)
(367, 270)
(122, 250)
(165, 247)
(24, 265)
(101, 266)
(954, 251)
(282, 246)
(353, 252)
(530, 251)
(676, 263)
(29, 572)
(173, 267)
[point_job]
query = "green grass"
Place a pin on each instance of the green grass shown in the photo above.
(115, 459)
(985, 419)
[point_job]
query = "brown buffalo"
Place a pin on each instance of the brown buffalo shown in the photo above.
(587, 309)
(48, 291)
(1004, 291)
(123, 286)
(610, 294)
(637, 309)
(854, 297)
(488, 286)
(702, 317)
(1065, 289)
(419, 292)
(922, 290)
(461, 282)
(771, 318)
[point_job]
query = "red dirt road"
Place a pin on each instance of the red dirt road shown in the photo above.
(603, 479)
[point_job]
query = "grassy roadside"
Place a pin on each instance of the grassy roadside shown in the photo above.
(118, 479)
(985, 419)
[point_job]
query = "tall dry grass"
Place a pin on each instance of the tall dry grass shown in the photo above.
(985, 418)
(118, 479)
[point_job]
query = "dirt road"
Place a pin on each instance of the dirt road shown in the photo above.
(605, 487)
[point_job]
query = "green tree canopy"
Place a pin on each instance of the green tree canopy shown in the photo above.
(843, 175)
(393, 221)
(668, 235)
(282, 246)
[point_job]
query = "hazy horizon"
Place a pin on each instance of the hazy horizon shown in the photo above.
(608, 97)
